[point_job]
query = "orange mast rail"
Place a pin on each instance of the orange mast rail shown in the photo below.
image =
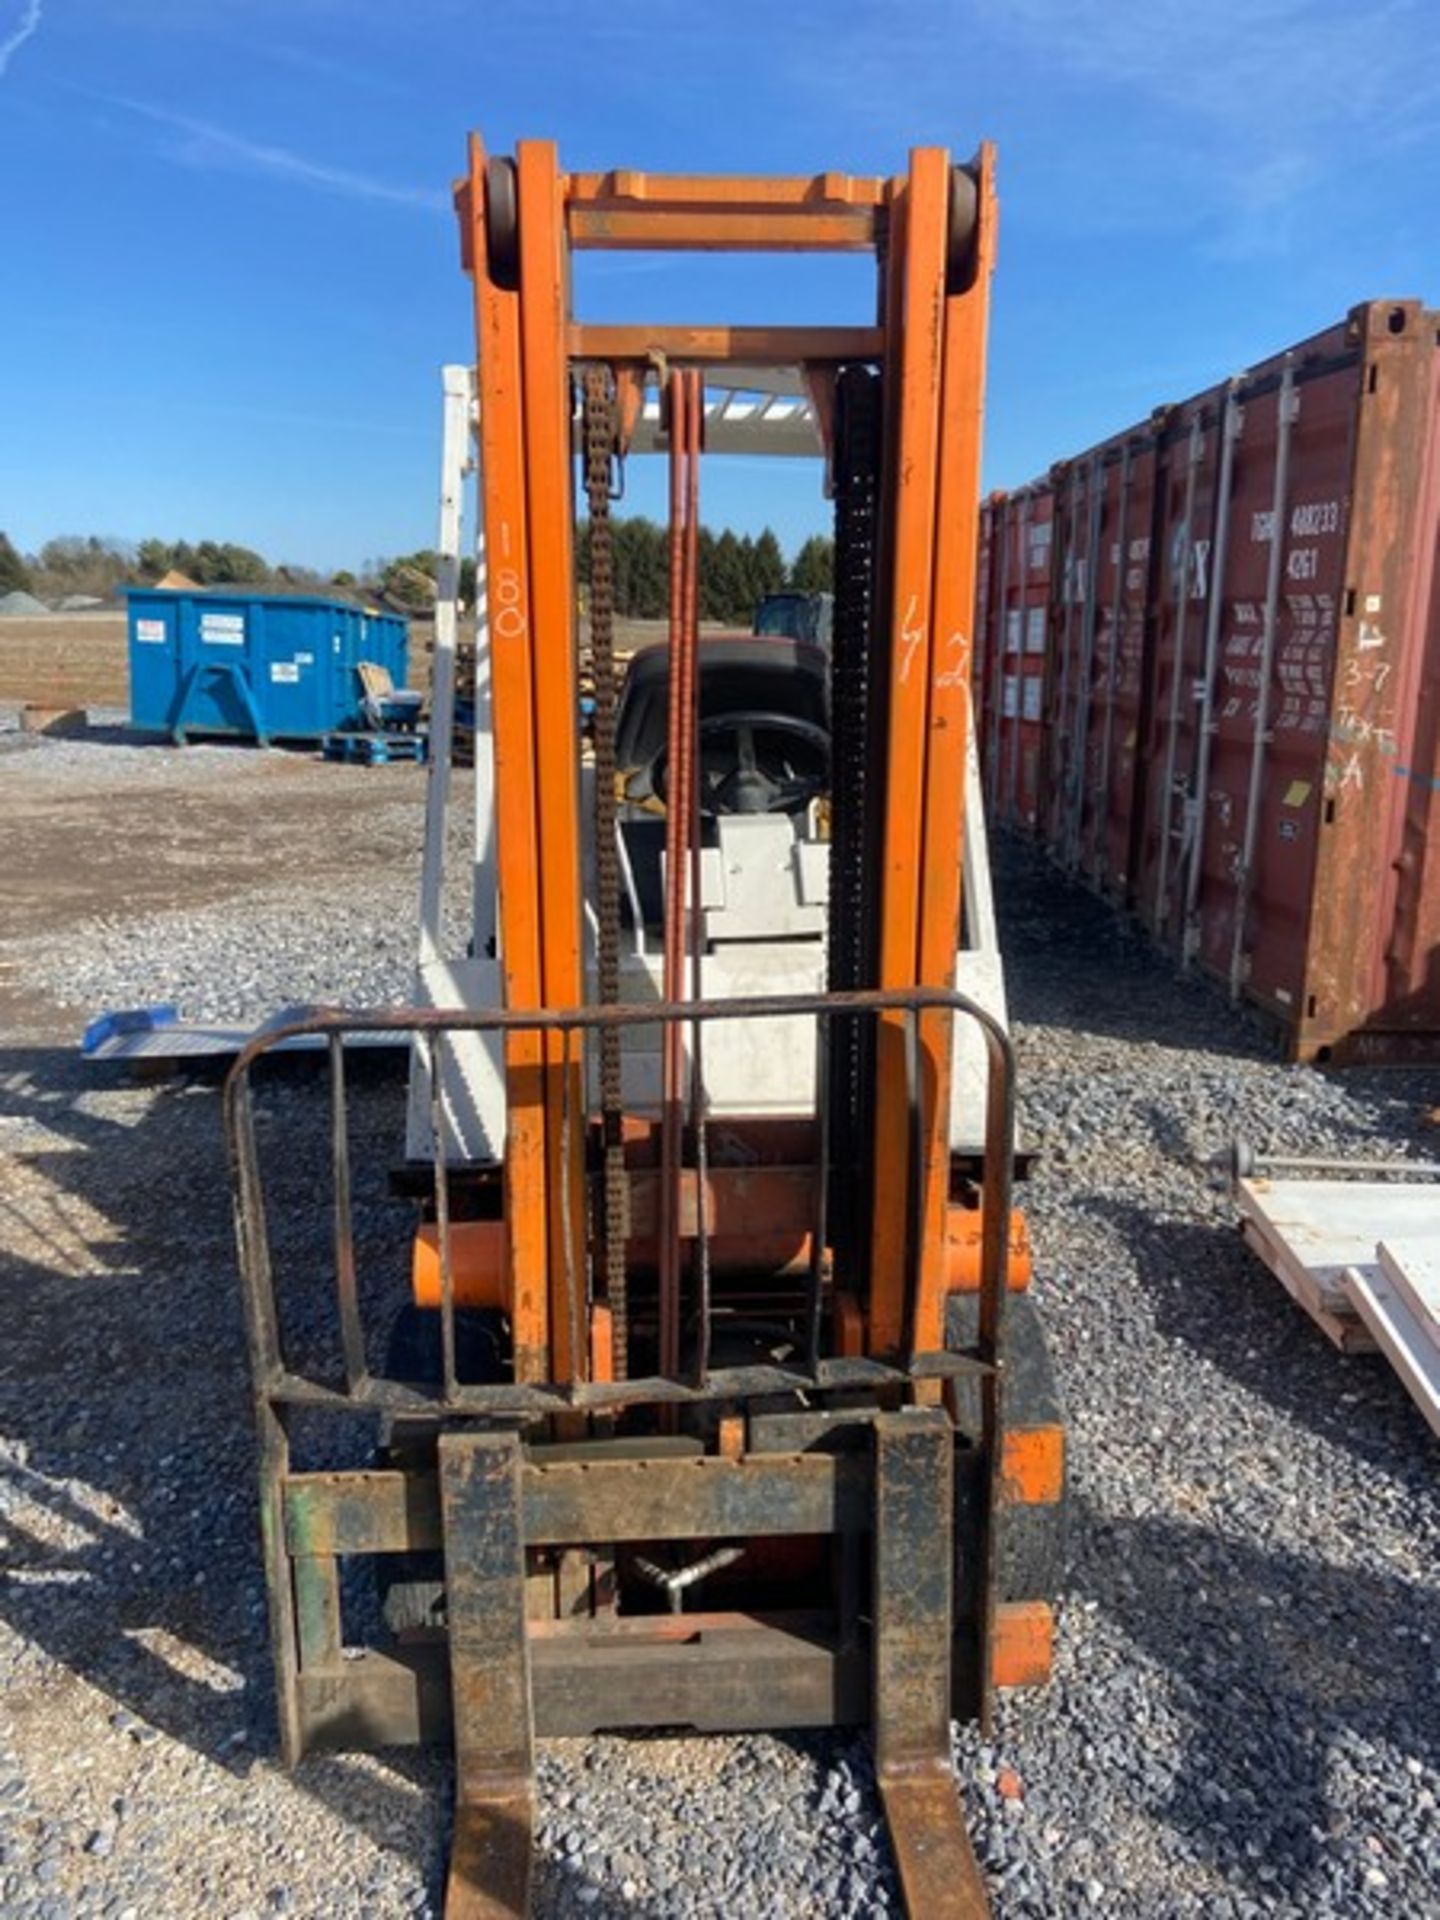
(547, 414)
(497, 320)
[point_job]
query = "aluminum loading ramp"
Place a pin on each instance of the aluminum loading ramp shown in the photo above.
(135, 1035)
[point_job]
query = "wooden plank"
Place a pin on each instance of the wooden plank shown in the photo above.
(1312, 1287)
(1330, 1225)
(1308, 1232)
(1343, 1328)
(1410, 1350)
(1412, 1266)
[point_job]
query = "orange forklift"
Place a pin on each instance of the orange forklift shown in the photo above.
(719, 1402)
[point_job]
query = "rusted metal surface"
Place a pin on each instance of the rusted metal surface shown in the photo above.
(603, 1498)
(601, 443)
(433, 1024)
(627, 208)
(1012, 623)
(724, 1673)
(489, 1677)
(1269, 674)
(487, 1507)
(727, 346)
(912, 1604)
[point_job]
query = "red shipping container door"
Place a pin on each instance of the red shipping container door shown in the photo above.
(1070, 544)
(1013, 601)
(1100, 689)
(1290, 842)
(984, 654)
(1240, 738)
(1189, 465)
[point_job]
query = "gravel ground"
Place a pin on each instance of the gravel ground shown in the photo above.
(1245, 1716)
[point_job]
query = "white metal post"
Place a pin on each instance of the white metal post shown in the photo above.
(484, 911)
(455, 429)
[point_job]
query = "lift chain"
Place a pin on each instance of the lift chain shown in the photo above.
(858, 756)
(600, 431)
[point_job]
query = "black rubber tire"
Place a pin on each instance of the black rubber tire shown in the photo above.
(1032, 1547)
(413, 1348)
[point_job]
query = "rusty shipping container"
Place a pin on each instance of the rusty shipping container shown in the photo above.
(1238, 734)
(1013, 592)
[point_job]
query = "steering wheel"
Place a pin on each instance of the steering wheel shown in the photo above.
(797, 769)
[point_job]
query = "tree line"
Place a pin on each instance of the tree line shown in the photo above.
(736, 570)
(87, 564)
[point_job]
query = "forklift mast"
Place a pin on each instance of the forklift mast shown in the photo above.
(707, 1421)
(905, 396)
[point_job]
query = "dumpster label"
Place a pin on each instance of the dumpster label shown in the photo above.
(304, 659)
(150, 631)
(223, 629)
(284, 672)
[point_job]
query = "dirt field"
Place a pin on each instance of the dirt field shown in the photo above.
(80, 660)
(110, 826)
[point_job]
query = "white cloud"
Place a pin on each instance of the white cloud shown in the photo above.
(201, 144)
(1221, 117)
(24, 29)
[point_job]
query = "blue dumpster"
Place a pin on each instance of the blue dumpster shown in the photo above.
(262, 666)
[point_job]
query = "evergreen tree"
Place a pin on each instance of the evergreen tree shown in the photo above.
(728, 582)
(769, 568)
(813, 570)
(14, 574)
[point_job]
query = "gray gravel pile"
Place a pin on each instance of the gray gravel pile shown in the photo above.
(109, 750)
(343, 933)
(336, 939)
(1245, 1715)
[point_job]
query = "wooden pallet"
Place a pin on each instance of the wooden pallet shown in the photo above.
(1399, 1300)
(374, 749)
(1314, 1234)
(1308, 1232)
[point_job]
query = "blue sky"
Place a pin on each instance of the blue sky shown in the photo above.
(231, 271)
